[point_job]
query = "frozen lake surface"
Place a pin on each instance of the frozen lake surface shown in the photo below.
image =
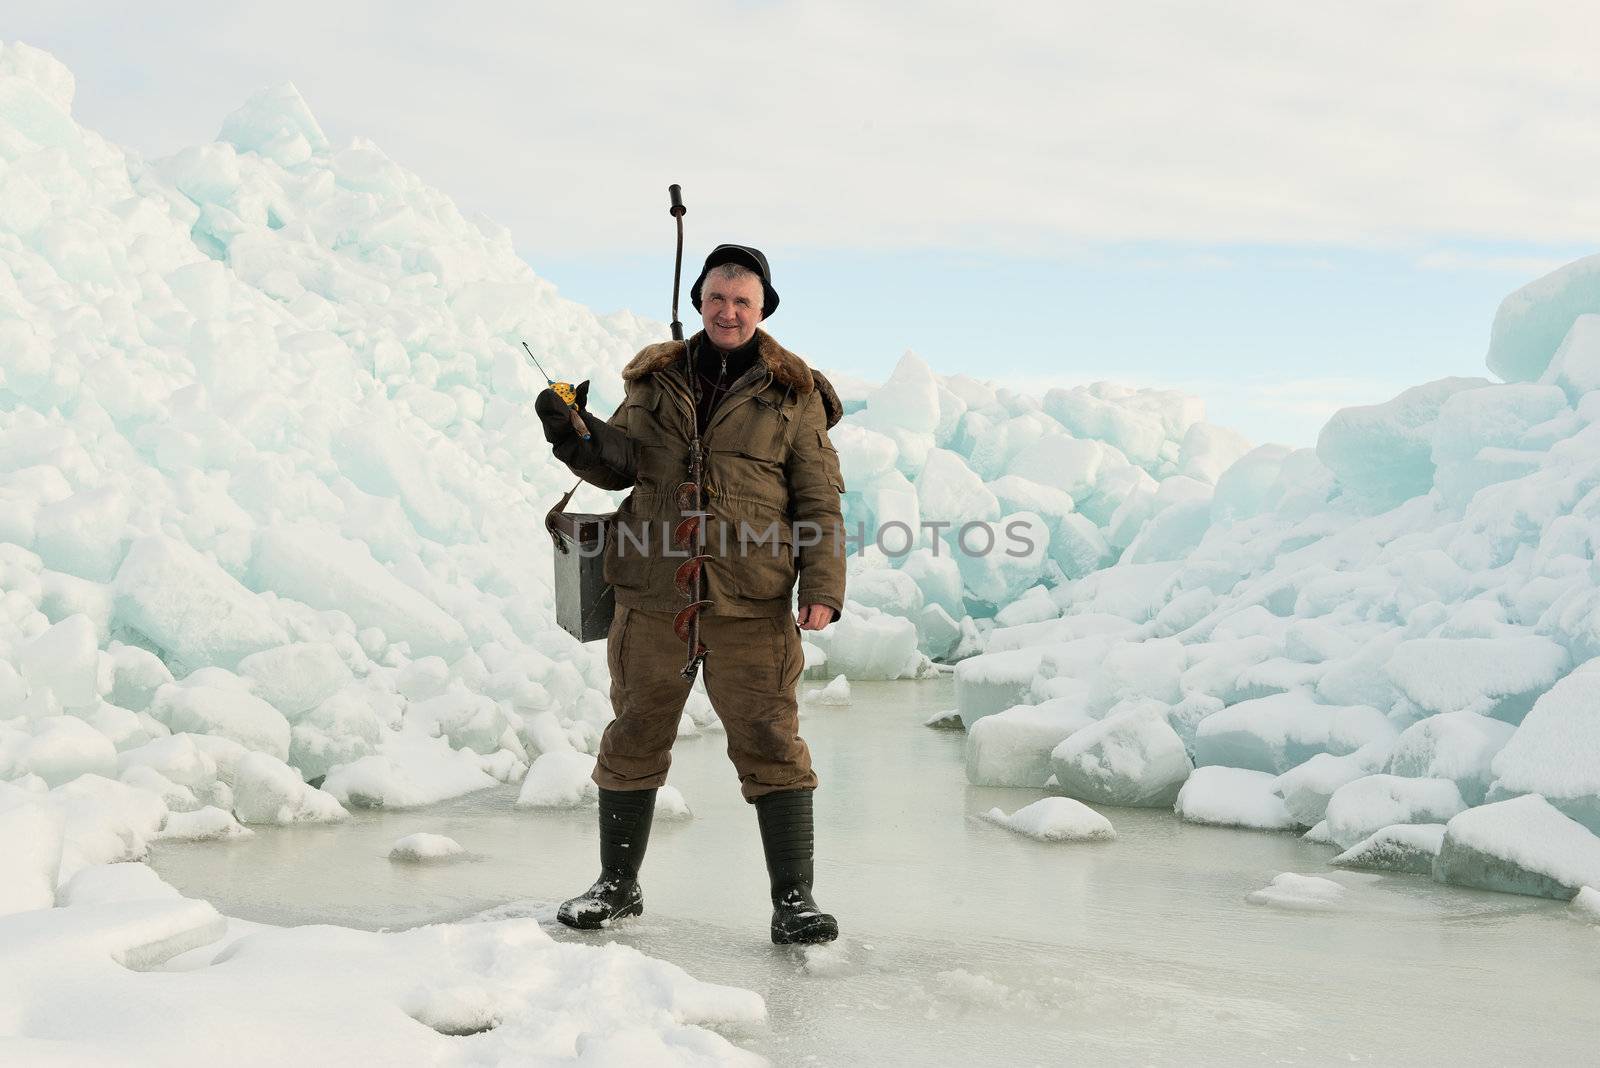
(964, 943)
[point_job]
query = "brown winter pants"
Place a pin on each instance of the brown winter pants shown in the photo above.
(750, 676)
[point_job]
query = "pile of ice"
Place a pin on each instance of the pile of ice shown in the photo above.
(974, 507)
(1391, 640)
(270, 493)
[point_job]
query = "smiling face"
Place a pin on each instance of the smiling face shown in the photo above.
(730, 308)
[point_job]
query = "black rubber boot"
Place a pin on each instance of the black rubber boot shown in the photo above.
(787, 839)
(625, 817)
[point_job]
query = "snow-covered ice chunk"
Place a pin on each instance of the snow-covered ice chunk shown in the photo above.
(1586, 905)
(1498, 677)
(1056, 819)
(1233, 797)
(1384, 452)
(559, 780)
(868, 644)
(1531, 322)
(1150, 669)
(1299, 893)
(1369, 804)
(1306, 788)
(1012, 748)
(1458, 746)
(205, 824)
(190, 607)
(266, 790)
(1556, 750)
(229, 712)
(992, 682)
(327, 571)
(1131, 758)
(63, 747)
(102, 884)
(1281, 731)
(1575, 368)
(670, 805)
(107, 821)
(296, 678)
(410, 771)
(1405, 847)
(1520, 846)
(136, 676)
(63, 660)
(30, 841)
(423, 846)
(837, 692)
(176, 757)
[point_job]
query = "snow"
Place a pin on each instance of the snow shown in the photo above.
(423, 846)
(1055, 819)
(1586, 905)
(1013, 747)
(1556, 751)
(1306, 788)
(1405, 847)
(1366, 805)
(1132, 757)
(1491, 676)
(1458, 746)
(1233, 797)
(670, 804)
(837, 692)
(1299, 893)
(1278, 732)
(267, 790)
(559, 780)
(206, 824)
(31, 841)
(1521, 846)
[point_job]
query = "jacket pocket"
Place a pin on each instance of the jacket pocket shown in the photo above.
(764, 564)
(633, 544)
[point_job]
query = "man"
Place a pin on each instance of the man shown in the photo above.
(771, 489)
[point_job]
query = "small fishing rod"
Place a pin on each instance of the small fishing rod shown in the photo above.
(568, 396)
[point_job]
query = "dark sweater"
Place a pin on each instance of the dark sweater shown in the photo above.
(717, 371)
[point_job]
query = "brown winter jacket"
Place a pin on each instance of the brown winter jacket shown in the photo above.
(768, 466)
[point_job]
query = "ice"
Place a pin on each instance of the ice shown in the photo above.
(223, 710)
(106, 821)
(1130, 758)
(948, 491)
(340, 730)
(1520, 846)
(1532, 322)
(1458, 746)
(1284, 730)
(1006, 559)
(1056, 819)
(670, 804)
(1405, 847)
(1384, 451)
(887, 590)
(993, 682)
(296, 678)
(1498, 677)
(1152, 669)
(1243, 489)
(1306, 788)
(176, 757)
(423, 846)
(326, 571)
(1233, 797)
(1012, 747)
(1299, 893)
(1556, 751)
(267, 790)
(193, 610)
(30, 841)
(136, 676)
(412, 771)
(1575, 368)
(105, 884)
(64, 661)
(1373, 802)
(1586, 905)
(277, 124)
(204, 824)
(559, 780)
(85, 534)
(868, 644)
(1208, 451)
(62, 748)
(837, 692)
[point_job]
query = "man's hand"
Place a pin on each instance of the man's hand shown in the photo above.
(554, 414)
(814, 616)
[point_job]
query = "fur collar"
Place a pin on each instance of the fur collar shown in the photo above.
(786, 368)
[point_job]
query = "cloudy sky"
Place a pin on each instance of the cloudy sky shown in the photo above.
(1284, 207)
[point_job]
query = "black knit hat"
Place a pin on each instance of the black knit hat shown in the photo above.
(744, 256)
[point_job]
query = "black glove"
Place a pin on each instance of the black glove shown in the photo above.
(554, 413)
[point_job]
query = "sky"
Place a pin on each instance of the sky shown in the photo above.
(1284, 208)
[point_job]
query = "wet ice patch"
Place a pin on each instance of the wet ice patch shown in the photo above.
(1299, 893)
(1055, 819)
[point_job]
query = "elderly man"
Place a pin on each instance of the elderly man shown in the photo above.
(771, 486)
